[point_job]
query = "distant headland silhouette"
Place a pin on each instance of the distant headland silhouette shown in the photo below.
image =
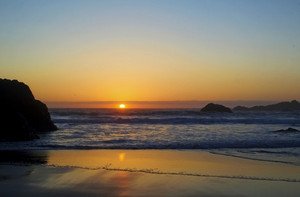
(282, 106)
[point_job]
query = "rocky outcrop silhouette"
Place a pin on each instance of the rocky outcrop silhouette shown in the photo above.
(211, 107)
(288, 130)
(282, 106)
(22, 117)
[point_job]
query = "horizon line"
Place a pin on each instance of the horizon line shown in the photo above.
(153, 101)
(156, 104)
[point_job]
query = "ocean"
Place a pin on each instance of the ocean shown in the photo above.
(165, 129)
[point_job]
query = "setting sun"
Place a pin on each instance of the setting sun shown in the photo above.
(122, 106)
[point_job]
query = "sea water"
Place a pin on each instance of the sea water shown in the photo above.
(241, 133)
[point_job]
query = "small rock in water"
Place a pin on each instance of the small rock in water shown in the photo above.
(211, 107)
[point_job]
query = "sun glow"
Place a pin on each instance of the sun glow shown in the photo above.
(122, 106)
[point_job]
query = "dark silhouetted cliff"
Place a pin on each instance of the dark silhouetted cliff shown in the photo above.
(21, 115)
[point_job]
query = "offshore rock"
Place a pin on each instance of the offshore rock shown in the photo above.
(211, 107)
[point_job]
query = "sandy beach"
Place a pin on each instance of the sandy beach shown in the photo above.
(142, 173)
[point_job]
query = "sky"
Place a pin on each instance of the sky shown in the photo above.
(154, 50)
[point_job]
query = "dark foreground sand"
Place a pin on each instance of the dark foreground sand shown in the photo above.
(142, 173)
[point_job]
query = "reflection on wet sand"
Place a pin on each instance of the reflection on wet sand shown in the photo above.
(122, 156)
(173, 162)
(143, 173)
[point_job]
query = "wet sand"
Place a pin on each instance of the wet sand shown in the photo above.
(142, 173)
